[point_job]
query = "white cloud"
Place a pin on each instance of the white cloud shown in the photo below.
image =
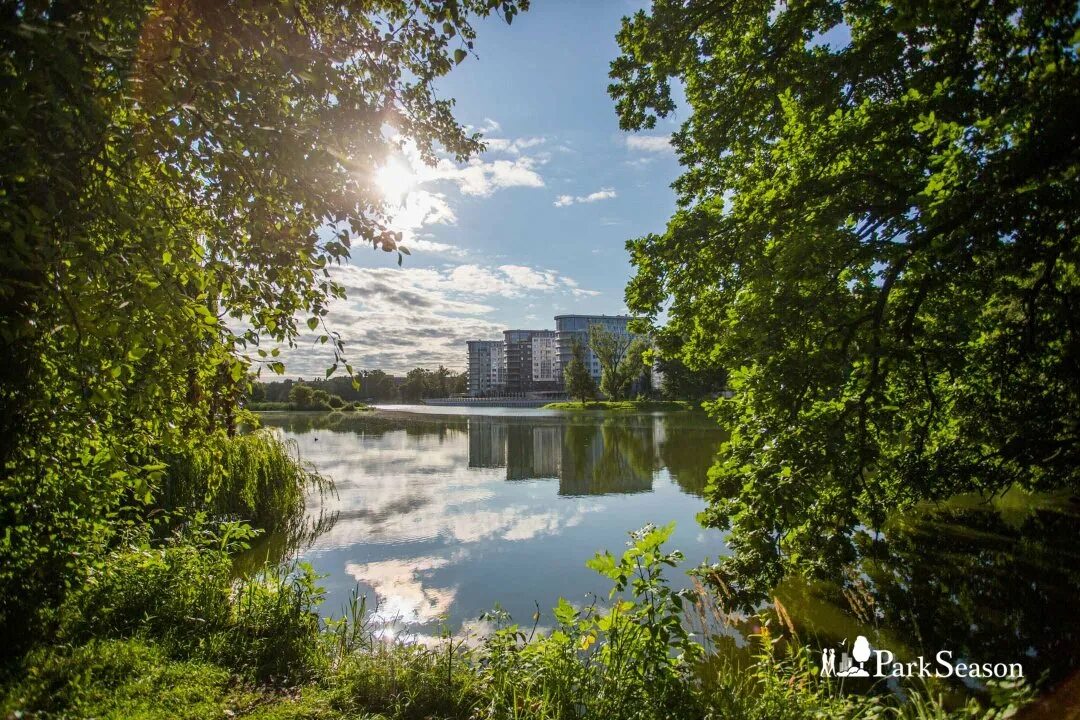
(433, 247)
(601, 194)
(532, 279)
(421, 206)
(396, 319)
(650, 143)
(400, 589)
(513, 146)
(483, 178)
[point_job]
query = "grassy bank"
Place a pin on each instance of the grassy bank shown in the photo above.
(625, 405)
(162, 632)
(293, 407)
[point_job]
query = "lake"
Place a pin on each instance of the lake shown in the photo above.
(440, 514)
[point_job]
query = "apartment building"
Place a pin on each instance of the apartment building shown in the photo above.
(530, 361)
(487, 368)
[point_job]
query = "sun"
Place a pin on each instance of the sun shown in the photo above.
(394, 180)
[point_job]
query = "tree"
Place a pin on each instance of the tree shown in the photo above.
(377, 385)
(620, 358)
(302, 396)
(440, 382)
(415, 387)
(677, 380)
(579, 381)
(178, 182)
(879, 238)
(459, 383)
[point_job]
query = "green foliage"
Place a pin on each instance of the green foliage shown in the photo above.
(621, 360)
(303, 397)
(182, 596)
(274, 631)
(636, 659)
(172, 592)
(116, 679)
(577, 379)
(367, 385)
(377, 385)
(169, 170)
(423, 383)
(624, 405)
(879, 240)
(679, 381)
(411, 682)
(633, 659)
(255, 477)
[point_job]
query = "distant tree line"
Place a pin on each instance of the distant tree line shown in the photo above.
(369, 386)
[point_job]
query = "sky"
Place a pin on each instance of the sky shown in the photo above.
(533, 227)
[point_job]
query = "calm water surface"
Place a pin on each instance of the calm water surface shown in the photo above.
(440, 513)
(440, 516)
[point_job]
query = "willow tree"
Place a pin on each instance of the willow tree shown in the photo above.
(178, 178)
(877, 235)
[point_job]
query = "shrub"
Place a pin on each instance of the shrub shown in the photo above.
(178, 592)
(256, 477)
(636, 659)
(410, 682)
(116, 679)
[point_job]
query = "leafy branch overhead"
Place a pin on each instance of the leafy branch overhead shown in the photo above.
(877, 235)
(178, 179)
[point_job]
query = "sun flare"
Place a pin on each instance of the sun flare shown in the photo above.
(394, 180)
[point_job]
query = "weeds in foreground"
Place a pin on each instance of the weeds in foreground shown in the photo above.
(163, 632)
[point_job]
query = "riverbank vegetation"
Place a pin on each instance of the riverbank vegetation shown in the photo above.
(365, 386)
(304, 398)
(164, 633)
(626, 405)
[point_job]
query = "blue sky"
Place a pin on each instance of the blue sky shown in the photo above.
(532, 228)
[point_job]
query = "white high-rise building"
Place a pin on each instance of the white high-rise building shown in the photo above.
(487, 368)
(545, 358)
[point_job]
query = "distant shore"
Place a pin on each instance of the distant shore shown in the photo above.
(624, 405)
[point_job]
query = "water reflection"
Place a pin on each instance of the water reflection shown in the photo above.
(990, 581)
(439, 517)
(587, 458)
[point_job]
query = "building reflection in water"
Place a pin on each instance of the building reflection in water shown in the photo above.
(586, 458)
(594, 456)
